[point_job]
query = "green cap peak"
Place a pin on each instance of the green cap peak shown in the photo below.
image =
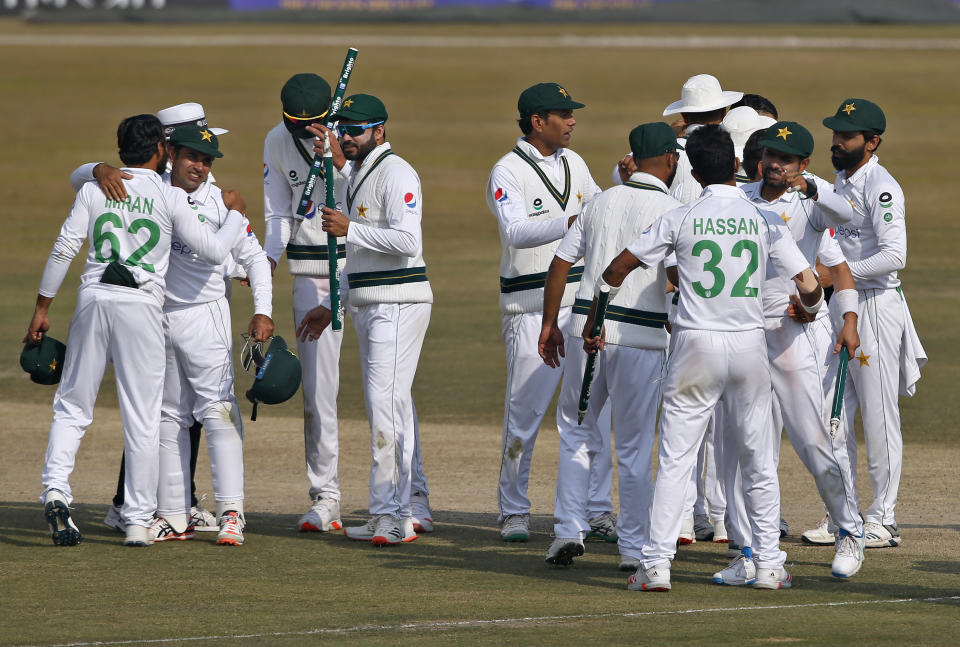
(857, 115)
(362, 107)
(653, 140)
(788, 137)
(545, 96)
(198, 138)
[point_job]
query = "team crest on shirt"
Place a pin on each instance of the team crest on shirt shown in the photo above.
(410, 200)
(500, 195)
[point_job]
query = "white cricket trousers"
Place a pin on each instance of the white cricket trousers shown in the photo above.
(630, 379)
(198, 385)
(119, 325)
(873, 384)
(530, 388)
(320, 364)
(390, 337)
(705, 368)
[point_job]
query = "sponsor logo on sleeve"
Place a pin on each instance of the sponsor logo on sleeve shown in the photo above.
(500, 195)
(886, 201)
(266, 170)
(887, 217)
(311, 210)
(410, 200)
(250, 233)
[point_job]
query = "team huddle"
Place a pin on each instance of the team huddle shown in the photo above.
(715, 254)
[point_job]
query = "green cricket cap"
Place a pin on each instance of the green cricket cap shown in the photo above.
(653, 140)
(305, 97)
(788, 137)
(198, 138)
(44, 361)
(857, 114)
(278, 376)
(362, 107)
(545, 96)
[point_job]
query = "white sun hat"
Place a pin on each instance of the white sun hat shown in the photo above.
(742, 122)
(702, 93)
(182, 114)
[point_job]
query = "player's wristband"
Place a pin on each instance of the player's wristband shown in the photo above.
(600, 284)
(847, 301)
(815, 308)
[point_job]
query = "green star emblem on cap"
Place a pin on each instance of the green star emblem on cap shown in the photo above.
(783, 132)
(848, 108)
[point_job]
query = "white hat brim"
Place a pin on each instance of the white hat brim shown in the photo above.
(727, 98)
(219, 131)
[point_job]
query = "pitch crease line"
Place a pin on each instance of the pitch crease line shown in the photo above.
(499, 621)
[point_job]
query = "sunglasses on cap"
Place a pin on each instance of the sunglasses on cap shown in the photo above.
(355, 130)
(305, 120)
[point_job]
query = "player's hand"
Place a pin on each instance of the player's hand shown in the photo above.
(319, 131)
(592, 344)
(848, 336)
(796, 312)
(111, 180)
(232, 200)
(260, 328)
(551, 346)
(314, 323)
(626, 167)
(797, 181)
(334, 222)
(679, 126)
(38, 325)
(273, 266)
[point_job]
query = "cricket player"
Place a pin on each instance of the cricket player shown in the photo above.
(119, 318)
(888, 364)
(385, 284)
(629, 369)
(722, 243)
(802, 364)
(287, 157)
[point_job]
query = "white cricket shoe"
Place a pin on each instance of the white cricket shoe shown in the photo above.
(629, 563)
(881, 535)
(203, 520)
(702, 528)
(362, 533)
(63, 531)
(655, 578)
(232, 524)
(772, 578)
(720, 532)
(409, 527)
(687, 534)
(822, 535)
(784, 528)
(741, 571)
(563, 550)
(137, 536)
(848, 557)
(420, 508)
(322, 516)
(161, 530)
(515, 527)
(603, 527)
(387, 531)
(114, 520)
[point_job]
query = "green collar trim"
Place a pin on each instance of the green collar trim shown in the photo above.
(561, 198)
(303, 153)
(385, 154)
(644, 186)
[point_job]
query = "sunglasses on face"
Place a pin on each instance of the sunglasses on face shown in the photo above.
(355, 130)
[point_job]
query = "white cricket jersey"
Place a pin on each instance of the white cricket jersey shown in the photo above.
(636, 316)
(137, 233)
(722, 243)
(874, 242)
(533, 198)
(286, 167)
(808, 222)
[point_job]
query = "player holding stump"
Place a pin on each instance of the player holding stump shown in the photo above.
(389, 296)
(536, 191)
(722, 243)
(118, 319)
(629, 369)
(888, 363)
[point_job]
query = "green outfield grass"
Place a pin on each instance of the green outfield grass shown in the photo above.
(452, 115)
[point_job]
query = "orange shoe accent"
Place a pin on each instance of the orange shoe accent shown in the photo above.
(336, 525)
(309, 527)
(227, 541)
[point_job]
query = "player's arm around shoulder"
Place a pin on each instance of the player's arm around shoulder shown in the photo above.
(212, 247)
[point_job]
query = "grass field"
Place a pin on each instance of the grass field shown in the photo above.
(452, 110)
